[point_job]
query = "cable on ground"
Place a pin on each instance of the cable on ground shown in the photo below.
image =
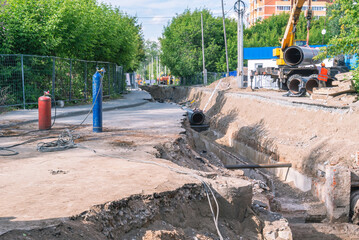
(207, 188)
(13, 152)
(65, 141)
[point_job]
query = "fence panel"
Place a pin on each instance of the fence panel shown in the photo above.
(11, 84)
(23, 78)
(78, 82)
(62, 79)
(37, 77)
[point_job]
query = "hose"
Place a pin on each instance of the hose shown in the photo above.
(65, 141)
(206, 186)
(58, 145)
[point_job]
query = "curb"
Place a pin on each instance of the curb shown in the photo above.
(76, 113)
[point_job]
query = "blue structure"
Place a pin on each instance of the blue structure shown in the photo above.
(263, 52)
(351, 61)
(97, 101)
(254, 53)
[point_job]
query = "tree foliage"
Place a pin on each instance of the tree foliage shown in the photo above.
(182, 47)
(70, 28)
(270, 31)
(181, 43)
(345, 40)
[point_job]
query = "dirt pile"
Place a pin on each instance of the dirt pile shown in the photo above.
(226, 83)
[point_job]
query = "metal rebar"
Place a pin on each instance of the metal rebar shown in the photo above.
(275, 165)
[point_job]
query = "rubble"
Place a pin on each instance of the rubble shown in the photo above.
(342, 91)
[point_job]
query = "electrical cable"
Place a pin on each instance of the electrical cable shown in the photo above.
(60, 144)
(13, 152)
(206, 186)
(66, 141)
(93, 103)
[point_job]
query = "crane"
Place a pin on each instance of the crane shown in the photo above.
(288, 39)
(296, 69)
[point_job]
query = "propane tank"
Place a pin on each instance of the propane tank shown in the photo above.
(44, 111)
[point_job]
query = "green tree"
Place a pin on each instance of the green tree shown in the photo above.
(345, 15)
(81, 29)
(269, 32)
(181, 43)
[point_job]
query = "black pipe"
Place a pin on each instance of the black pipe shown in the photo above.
(295, 55)
(277, 165)
(195, 117)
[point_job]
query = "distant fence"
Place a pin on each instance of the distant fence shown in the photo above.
(197, 78)
(23, 78)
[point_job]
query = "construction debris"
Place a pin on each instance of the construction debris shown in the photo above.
(343, 90)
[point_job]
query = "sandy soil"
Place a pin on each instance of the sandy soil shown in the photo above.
(49, 186)
(287, 129)
(111, 194)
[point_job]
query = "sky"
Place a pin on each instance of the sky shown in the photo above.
(155, 14)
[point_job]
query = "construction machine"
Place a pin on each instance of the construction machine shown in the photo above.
(296, 65)
(165, 79)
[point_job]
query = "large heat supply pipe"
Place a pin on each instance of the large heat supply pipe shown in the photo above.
(297, 85)
(295, 56)
(195, 117)
(311, 84)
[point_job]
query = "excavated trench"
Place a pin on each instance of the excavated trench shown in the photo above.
(309, 195)
(253, 204)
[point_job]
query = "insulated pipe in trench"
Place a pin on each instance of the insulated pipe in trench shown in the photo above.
(354, 206)
(295, 56)
(195, 117)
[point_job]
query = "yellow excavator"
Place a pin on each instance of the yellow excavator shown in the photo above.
(296, 65)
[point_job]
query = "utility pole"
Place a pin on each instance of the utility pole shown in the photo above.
(225, 39)
(241, 44)
(238, 45)
(156, 67)
(152, 69)
(204, 64)
(240, 12)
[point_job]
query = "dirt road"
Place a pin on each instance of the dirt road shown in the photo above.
(38, 188)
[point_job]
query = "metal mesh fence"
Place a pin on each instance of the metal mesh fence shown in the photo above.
(23, 78)
(197, 79)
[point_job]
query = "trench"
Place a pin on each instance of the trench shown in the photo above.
(260, 207)
(299, 196)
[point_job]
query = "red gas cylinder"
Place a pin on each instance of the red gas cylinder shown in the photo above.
(44, 112)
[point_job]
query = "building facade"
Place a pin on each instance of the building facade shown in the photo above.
(262, 9)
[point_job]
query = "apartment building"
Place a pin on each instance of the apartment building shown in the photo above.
(262, 9)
